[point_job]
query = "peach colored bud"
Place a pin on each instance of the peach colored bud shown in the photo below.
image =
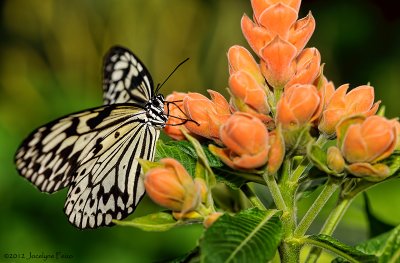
(277, 62)
(210, 219)
(335, 159)
(246, 139)
(240, 59)
(370, 141)
(369, 172)
(307, 67)
(278, 19)
(298, 106)
(358, 101)
(302, 31)
(172, 187)
(276, 151)
(326, 90)
(256, 36)
(209, 114)
(245, 88)
(177, 116)
(259, 6)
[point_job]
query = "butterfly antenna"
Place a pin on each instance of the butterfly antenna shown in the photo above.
(160, 85)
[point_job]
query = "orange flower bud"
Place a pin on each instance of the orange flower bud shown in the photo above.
(173, 129)
(172, 187)
(240, 59)
(209, 114)
(244, 88)
(256, 36)
(358, 101)
(277, 65)
(278, 19)
(298, 106)
(335, 159)
(369, 141)
(276, 151)
(307, 67)
(246, 138)
(259, 6)
(302, 31)
(210, 219)
(326, 90)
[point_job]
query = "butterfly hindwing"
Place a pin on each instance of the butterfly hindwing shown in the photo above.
(108, 186)
(95, 152)
(125, 78)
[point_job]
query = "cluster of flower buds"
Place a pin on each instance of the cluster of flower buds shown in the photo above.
(274, 98)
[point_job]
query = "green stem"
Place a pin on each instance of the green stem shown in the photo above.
(330, 187)
(275, 191)
(252, 197)
(300, 169)
(330, 225)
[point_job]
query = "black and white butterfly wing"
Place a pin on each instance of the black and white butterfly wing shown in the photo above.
(125, 78)
(95, 153)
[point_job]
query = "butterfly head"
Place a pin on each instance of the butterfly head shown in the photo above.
(155, 111)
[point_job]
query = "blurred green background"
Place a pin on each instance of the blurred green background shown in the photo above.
(50, 65)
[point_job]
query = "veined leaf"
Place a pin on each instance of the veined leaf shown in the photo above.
(250, 236)
(385, 246)
(346, 252)
(178, 151)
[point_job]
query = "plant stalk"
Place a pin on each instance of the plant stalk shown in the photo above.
(330, 187)
(330, 225)
(275, 191)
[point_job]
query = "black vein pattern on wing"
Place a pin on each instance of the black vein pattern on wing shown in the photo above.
(111, 188)
(125, 78)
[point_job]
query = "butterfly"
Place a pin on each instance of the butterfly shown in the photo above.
(95, 152)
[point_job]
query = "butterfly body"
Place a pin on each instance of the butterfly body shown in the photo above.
(95, 152)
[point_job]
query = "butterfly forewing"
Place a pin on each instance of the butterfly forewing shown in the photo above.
(125, 79)
(96, 151)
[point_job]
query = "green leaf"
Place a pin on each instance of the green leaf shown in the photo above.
(160, 221)
(250, 236)
(386, 246)
(179, 151)
(185, 153)
(347, 252)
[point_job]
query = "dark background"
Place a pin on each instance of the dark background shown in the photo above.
(50, 65)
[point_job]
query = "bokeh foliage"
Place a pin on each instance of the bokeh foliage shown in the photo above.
(51, 54)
